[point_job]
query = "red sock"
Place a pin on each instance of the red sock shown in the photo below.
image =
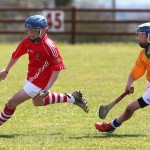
(6, 114)
(58, 98)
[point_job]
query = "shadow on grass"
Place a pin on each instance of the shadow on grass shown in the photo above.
(102, 136)
(110, 136)
(21, 135)
(7, 136)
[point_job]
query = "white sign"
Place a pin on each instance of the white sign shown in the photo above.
(55, 20)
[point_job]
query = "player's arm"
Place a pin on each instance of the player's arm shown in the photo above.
(57, 67)
(129, 83)
(137, 71)
(20, 50)
(5, 71)
(11, 63)
(55, 60)
(139, 68)
(52, 80)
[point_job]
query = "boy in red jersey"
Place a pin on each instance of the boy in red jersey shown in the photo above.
(45, 64)
(141, 66)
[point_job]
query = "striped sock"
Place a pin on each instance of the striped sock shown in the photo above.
(6, 114)
(58, 98)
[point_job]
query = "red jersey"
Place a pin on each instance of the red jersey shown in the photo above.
(44, 58)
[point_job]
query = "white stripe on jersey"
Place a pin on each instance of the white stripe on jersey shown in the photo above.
(39, 71)
(52, 47)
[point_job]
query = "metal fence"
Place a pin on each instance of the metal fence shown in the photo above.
(103, 22)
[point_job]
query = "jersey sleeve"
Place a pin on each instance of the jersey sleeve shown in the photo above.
(20, 50)
(57, 62)
(55, 58)
(138, 69)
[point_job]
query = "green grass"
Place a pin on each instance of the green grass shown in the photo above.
(100, 71)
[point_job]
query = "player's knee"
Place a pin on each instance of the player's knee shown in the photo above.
(34, 103)
(37, 103)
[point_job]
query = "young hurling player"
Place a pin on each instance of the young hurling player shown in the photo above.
(141, 66)
(45, 64)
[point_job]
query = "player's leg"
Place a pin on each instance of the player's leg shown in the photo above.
(127, 114)
(131, 108)
(11, 105)
(52, 98)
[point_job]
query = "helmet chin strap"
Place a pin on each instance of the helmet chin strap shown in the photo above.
(35, 40)
(144, 45)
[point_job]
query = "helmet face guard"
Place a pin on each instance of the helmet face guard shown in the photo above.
(34, 33)
(143, 35)
(35, 27)
(143, 39)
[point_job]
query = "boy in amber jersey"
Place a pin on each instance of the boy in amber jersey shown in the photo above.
(141, 66)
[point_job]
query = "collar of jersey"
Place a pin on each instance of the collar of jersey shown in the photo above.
(147, 55)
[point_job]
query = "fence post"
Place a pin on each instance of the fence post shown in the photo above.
(73, 32)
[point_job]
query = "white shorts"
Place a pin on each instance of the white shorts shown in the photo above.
(146, 96)
(31, 89)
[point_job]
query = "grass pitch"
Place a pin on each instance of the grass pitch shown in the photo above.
(100, 71)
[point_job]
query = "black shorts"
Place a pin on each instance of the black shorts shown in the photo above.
(142, 103)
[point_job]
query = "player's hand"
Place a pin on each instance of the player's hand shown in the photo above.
(3, 74)
(43, 93)
(130, 89)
